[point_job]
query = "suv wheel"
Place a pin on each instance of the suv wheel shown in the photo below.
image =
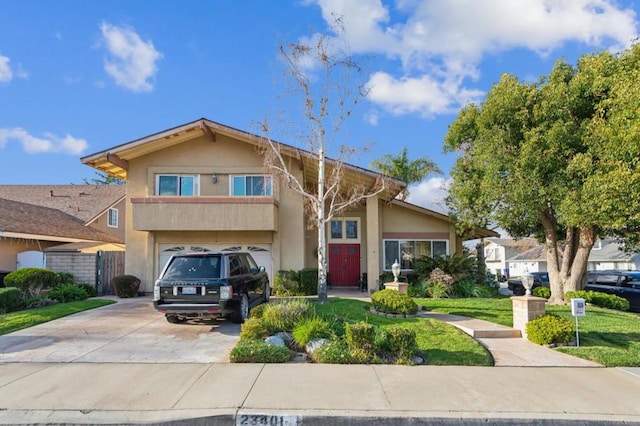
(242, 313)
(519, 291)
(174, 319)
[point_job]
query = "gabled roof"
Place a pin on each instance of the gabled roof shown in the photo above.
(22, 220)
(610, 251)
(115, 161)
(474, 234)
(534, 254)
(84, 202)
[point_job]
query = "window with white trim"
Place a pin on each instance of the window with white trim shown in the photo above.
(177, 184)
(250, 185)
(407, 251)
(112, 218)
(346, 230)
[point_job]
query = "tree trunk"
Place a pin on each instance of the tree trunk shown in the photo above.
(578, 268)
(553, 261)
(322, 241)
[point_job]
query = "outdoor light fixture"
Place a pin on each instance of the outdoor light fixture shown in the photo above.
(395, 269)
(527, 282)
(214, 178)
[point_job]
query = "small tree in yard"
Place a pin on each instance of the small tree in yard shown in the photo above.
(557, 160)
(328, 100)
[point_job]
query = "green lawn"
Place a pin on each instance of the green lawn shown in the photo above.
(608, 337)
(29, 317)
(438, 342)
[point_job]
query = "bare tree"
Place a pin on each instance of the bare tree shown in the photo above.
(328, 101)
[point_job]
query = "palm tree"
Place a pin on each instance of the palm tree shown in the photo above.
(400, 167)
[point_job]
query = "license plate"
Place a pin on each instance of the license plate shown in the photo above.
(189, 290)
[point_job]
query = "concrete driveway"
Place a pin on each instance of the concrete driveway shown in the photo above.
(129, 331)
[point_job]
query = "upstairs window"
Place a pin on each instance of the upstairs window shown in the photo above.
(251, 185)
(112, 218)
(180, 185)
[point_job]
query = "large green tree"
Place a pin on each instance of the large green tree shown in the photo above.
(558, 159)
(401, 167)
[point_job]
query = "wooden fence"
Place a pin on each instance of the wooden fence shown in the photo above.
(108, 265)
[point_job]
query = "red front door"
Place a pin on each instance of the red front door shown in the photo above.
(344, 264)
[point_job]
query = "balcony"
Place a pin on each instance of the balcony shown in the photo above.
(205, 213)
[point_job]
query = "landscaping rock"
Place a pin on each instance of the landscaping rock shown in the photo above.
(286, 337)
(314, 345)
(275, 340)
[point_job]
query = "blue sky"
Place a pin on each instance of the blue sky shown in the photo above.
(78, 76)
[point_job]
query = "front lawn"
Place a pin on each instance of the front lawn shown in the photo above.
(29, 317)
(608, 337)
(439, 343)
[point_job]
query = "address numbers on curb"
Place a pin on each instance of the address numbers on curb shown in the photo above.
(265, 420)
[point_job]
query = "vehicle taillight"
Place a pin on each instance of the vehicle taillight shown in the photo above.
(226, 292)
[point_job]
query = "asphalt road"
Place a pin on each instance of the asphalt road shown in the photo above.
(129, 331)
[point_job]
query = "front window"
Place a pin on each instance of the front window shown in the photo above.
(112, 219)
(251, 185)
(407, 251)
(180, 185)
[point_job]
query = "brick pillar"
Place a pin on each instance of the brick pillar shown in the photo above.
(525, 309)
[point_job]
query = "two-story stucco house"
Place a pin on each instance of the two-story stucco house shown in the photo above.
(203, 186)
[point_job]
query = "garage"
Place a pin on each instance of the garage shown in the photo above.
(260, 252)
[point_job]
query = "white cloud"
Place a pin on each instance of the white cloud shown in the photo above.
(132, 62)
(430, 194)
(441, 44)
(5, 71)
(50, 143)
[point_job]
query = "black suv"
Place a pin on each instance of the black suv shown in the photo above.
(207, 285)
(625, 284)
(540, 279)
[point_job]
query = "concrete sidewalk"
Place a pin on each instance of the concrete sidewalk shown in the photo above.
(314, 394)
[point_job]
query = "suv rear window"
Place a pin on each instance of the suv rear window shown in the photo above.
(193, 267)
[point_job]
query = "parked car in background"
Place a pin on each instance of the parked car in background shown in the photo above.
(540, 279)
(625, 284)
(206, 285)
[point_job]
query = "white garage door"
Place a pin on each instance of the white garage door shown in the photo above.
(260, 252)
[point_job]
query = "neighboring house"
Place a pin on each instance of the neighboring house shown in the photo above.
(608, 254)
(101, 207)
(497, 251)
(532, 260)
(203, 186)
(26, 230)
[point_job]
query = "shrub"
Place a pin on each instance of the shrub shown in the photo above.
(360, 338)
(436, 290)
(254, 328)
(10, 299)
(285, 284)
(258, 311)
(311, 328)
(39, 302)
(393, 302)
(284, 316)
(91, 290)
(31, 281)
(418, 289)
(66, 278)
(308, 280)
(550, 328)
(542, 292)
(399, 343)
(470, 288)
(334, 352)
(604, 300)
(260, 352)
(125, 285)
(67, 293)
(438, 276)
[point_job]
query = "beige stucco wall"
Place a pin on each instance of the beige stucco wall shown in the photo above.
(10, 247)
(223, 157)
(101, 221)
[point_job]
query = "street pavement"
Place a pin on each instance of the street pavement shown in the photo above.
(124, 364)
